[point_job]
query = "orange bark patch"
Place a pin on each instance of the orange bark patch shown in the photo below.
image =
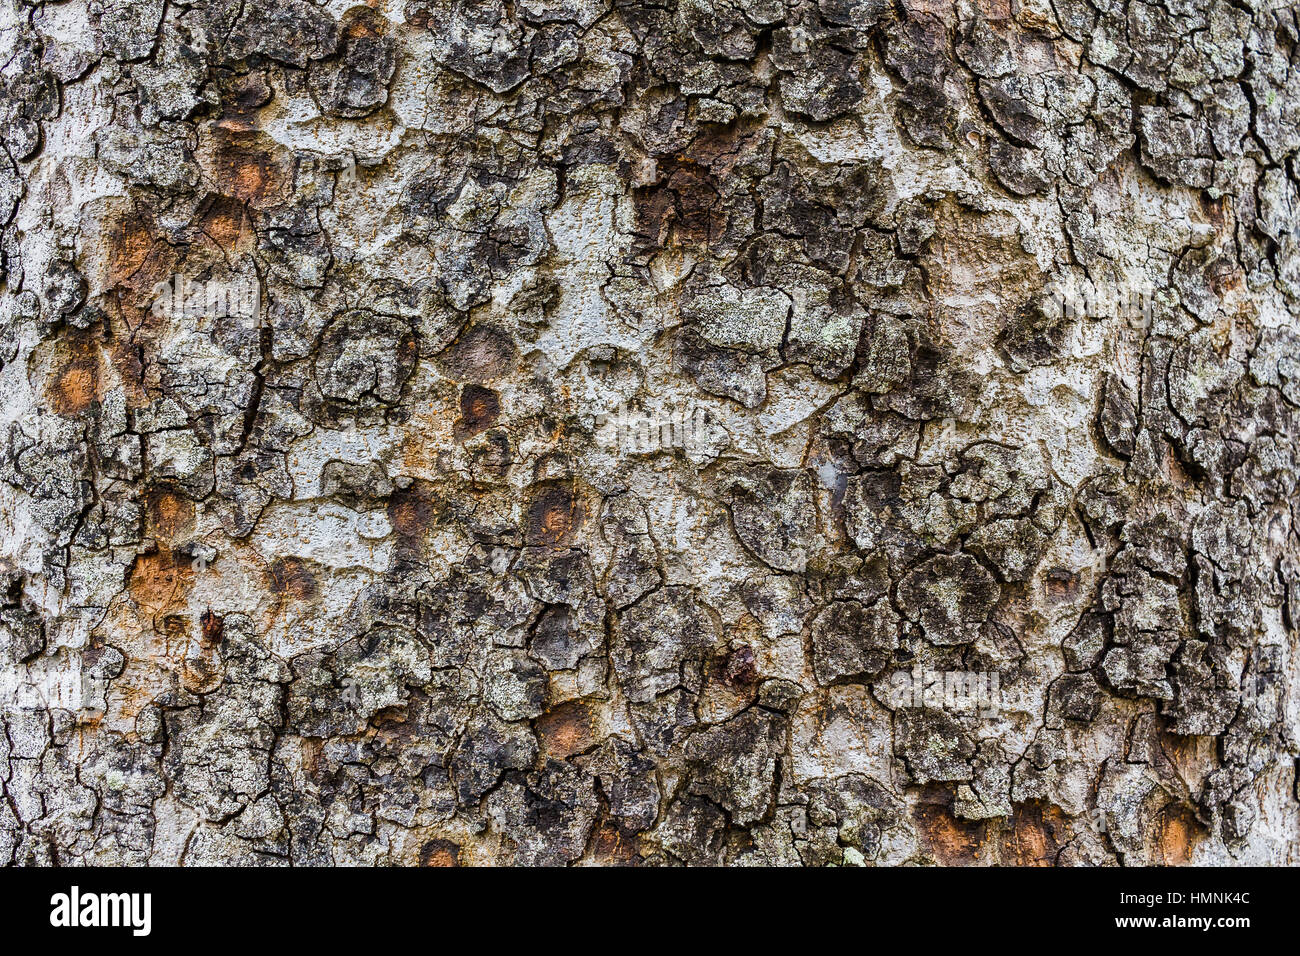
(74, 385)
(130, 244)
(129, 699)
(362, 27)
(136, 263)
(249, 173)
(1176, 834)
(567, 730)
(158, 580)
(75, 388)
(440, 853)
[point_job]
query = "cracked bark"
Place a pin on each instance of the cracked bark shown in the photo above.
(637, 400)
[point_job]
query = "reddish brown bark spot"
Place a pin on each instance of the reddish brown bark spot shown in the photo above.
(249, 172)
(211, 628)
(738, 667)
(479, 410)
(440, 853)
(554, 516)
(1177, 832)
(411, 510)
(952, 842)
(566, 730)
(1031, 839)
(292, 579)
(167, 513)
(157, 579)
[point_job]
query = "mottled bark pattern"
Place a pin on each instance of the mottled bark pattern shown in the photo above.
(633, 393)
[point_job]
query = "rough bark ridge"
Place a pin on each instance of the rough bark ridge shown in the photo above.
(674, 431)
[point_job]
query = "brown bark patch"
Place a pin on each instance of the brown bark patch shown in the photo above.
(479, 409)
(411, 510)
(554, 516)
(738, 667)
(131, 240)
(567, 730)
(952, 842)
(363, 27)
(76, 387)
(291, 578)
(1213, 209)
(137, 263)
(211, 628)
(167, 513)
(1224, 276)
(1060, 585)
(1031, 839)
(241, 101)
(225, 222)
(159, 579)
(440, 853)
(482, 353)
(612, 846)
(683, 208)
(244, 168)
(1177, 832)
(996, 10)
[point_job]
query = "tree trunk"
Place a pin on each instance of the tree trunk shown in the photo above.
(551, 431)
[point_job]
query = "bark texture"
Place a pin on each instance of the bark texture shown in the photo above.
(659, 431)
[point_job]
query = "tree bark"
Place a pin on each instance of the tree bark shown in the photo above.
(553, 431)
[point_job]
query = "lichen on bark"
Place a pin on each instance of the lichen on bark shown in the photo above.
(623, 432)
